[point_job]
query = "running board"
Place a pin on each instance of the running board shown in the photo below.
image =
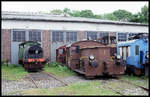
(79, 71)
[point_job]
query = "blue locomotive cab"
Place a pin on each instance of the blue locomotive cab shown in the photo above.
(136, 54)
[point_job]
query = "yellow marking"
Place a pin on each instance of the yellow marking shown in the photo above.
(84, 57)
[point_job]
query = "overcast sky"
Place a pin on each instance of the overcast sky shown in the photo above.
(96, 7)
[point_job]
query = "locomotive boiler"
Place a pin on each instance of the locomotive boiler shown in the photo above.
(31, 56)
(92, 58)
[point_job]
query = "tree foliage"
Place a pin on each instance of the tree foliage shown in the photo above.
(122, 15)
(87, 13)
(110, 16)
(118, 15)
(66, 11)
(56, 12)
(141, 17)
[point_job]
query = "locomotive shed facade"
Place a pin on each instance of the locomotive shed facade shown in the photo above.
(54, 31)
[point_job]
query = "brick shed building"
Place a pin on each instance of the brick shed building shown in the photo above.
(54, 31)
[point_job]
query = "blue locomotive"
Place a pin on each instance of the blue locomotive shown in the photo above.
(135, 52)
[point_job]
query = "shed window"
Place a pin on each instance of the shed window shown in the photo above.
(122, 36)
(57, 36)
(137, 50)
(132, 34)
(104, 36)
(71, 36)
(92, 35)
(18, 36)
(35, 36)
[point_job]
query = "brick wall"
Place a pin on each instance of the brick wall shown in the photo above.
(6, 44)
(81, 35)
(46, 44)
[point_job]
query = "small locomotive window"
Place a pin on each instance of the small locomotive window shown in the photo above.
(61, 51)
(112, 51)
(75, 49)
(137, 50)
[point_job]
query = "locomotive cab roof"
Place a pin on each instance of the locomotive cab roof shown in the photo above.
(99, 44)
(26, 42)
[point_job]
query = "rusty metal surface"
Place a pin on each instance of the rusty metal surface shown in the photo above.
(102, 53)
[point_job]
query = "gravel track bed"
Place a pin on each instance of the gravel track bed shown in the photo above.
(10, 86)
(42, 80)
(45, 81)
(126, 89)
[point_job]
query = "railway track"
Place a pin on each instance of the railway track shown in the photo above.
(106, 86)
(125, 81)
(118, 92)
(56, 77)
(32, 80)
(50, 75)
(146, 89)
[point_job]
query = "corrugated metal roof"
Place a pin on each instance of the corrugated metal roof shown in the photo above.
(6, 15)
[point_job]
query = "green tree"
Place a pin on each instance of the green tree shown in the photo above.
(110, 16)
(141, 17)
(97, 16)
(134, 18)
(87, 13)
(56, 12)
(144, 14)
(66, 11)
(75, 13)
(123, 15)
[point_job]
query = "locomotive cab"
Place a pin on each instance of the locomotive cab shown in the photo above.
(34, 51)
(135, 53)
(61, 54)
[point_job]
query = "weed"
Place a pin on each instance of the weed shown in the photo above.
(13, 72)
(79, 88)
(58, 69)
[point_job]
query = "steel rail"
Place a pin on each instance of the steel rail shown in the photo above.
(106, 86)
(116, 91)
(146, 89)
(33, 81)
(56, 77)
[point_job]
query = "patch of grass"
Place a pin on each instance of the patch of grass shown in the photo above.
(79, 88)
(12, 72)
(143, 81)
(58, 69)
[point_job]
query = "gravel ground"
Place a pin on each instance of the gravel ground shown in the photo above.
(44, 81)
(41, 79)
(125, 88)
(10, 86)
